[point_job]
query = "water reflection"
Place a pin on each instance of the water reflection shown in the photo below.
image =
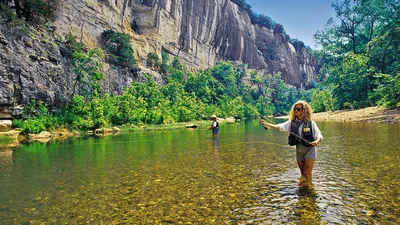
(6, 160)
(307, 211)
(215, 141)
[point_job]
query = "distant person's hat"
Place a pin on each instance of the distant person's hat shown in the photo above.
(213, 116)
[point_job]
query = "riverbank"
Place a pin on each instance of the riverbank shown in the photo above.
(14, 138)
(367, 115)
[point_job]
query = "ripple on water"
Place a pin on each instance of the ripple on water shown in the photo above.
(281, 201)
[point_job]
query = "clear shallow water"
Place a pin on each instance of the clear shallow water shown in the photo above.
(247, 176)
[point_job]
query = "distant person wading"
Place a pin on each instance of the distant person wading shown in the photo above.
(305, 134)
(214, 126)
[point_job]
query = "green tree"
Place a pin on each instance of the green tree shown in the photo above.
(389, 90)
(280, 96)
(224, 72)
(384, 50)
(33, 9)
(274, 89)
(348, 35)
(364, 42)
(88, 69)
(119, 47)
(352, 81)
(204, 86)
(185, 107)
(151, 95)
(322, 100)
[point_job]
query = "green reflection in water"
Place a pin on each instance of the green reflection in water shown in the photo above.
(246, 176)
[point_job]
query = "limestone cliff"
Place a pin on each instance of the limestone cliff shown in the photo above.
(199, 32)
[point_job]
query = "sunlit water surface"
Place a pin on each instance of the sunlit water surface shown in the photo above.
(247, 176)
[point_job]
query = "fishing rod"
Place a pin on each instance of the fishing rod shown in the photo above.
(259, 115)
(244, 103)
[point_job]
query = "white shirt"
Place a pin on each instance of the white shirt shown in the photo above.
(316, 132)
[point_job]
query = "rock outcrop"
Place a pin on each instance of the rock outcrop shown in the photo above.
(34, 66)
(199, 32)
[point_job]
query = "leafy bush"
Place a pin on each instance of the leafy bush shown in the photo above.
(7, 13)
(32, 10)
(296, 43)
(18, 123)
(120, 49)
(73, 45)
(164, 67)
(33, 126)
(389, 90)
(278, 28)
(153, 61)
(41, 8)
(265, 21)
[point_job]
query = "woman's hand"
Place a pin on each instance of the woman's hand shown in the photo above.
(265, 124)
(317, 142)
(268, 125)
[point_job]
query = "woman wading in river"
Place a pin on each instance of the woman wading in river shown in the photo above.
(305, 134)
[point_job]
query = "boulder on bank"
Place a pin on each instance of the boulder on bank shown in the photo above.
(230, 119)
(5, 125)
(106, 131)
(13, 134)
(191, 126)
(42, 137)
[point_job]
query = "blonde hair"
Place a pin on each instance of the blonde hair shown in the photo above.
(307, 111)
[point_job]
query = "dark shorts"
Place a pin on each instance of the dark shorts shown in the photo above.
(215, 131)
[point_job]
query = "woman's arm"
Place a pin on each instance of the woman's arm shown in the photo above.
(269, 125)
(281, 127)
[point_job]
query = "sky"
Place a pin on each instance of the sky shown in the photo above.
(300, 18)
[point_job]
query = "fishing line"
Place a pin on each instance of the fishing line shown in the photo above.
(263, 143)
(256, 113)
(258, 142)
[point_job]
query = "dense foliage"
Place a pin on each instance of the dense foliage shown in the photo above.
(260, 19)
(360, 55)
(119, 48)
(31, 10)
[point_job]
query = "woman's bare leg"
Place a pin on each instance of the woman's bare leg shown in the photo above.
(308, 167)
(301, 167)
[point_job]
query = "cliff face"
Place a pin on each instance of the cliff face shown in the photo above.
(199, 32)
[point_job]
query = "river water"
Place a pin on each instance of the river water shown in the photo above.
(246, 176)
